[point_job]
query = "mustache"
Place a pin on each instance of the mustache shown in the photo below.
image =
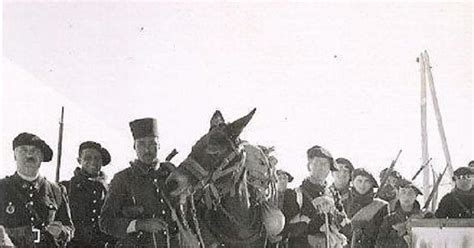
(30, 159)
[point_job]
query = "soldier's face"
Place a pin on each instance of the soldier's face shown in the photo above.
(342, 176)
(407, 196)
(319, 168)
(282, 181)
(91, 161)
(362, 184)
(147, 149)
(28, 159)
(463, 182)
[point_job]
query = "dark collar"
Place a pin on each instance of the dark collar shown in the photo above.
(24, 184)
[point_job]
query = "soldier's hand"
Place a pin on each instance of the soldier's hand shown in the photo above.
(151, 225)
(324, 204)
(55, 228)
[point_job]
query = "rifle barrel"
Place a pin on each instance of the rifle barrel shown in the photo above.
(60, 144)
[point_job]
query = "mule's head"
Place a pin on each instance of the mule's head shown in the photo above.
(216, 150)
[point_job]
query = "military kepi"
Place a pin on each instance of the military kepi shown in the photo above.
(28, 139)
(146, 127)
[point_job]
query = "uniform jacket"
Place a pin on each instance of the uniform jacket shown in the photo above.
(389, 236)
(364, 233)
(136, 187)
(456, 204)
(24, 205)
(86, 197)
(296, 231)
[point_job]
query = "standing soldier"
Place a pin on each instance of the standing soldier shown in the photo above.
(458, 203)
(87, 190)
(309, 207)
(283, 178)
(393, 232)
(388, 192)
(365, 211)
(136, 209)
(33, 210)
(340, 190)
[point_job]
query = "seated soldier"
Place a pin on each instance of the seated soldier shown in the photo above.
(393, 232)
(458, 203)
(389, 191)
(308, 207)
(365, 211)
(87, 190)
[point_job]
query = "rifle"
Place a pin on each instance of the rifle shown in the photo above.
(421, 169)
(435, 187)
(60, 144)
(387, 174)
(171, 155)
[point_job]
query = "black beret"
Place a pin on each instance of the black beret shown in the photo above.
(146, 127)
(404, 183)
(393, 173)
(471, 164)
(463, 171)
(290, 177)
(345, 162)
(94, 145)
(318, 151)
(363, 172)
(32, 140)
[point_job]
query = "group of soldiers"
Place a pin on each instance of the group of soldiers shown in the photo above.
(134, 211)
(350, 213)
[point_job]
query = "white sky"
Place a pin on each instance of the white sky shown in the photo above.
(339, 75)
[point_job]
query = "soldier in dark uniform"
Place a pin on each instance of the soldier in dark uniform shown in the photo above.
(393, 232)
(33, 210)
(340, 190)
(283, 178)
(306, 206)
(365, 211)
(87, 190)
(389, 191)
(342, 177)
(136, 209)
(458, 203)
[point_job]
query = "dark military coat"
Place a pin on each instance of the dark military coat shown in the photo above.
(296, 232)
(86, 197)
(25, 206)
(133, 188)
(364, 233)
(389, 236)
(456, 204)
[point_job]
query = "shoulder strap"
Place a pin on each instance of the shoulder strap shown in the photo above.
(367, 212)
(466, 210)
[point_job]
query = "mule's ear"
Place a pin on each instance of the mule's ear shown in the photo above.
(217, 119)
(235, 128)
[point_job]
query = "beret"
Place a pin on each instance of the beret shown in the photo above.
(404, 183)
(365, 173)
(290, 177)
(32, 140)
(318, 151)
(94, 145)
(345, 162)
(463, 171)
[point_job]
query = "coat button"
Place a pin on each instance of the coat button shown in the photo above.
(95, 192)
(163, 212)
(32, 218)
(31, 195)
(94, 201)
(93, 210)
(93, 219)
(161, 200)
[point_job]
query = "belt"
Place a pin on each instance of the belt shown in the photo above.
(36, 235)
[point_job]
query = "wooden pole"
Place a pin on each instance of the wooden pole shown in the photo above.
(424, 130)
(439, 118)
(60, 144)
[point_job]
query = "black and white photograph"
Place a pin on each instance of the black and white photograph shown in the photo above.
(239, 124)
